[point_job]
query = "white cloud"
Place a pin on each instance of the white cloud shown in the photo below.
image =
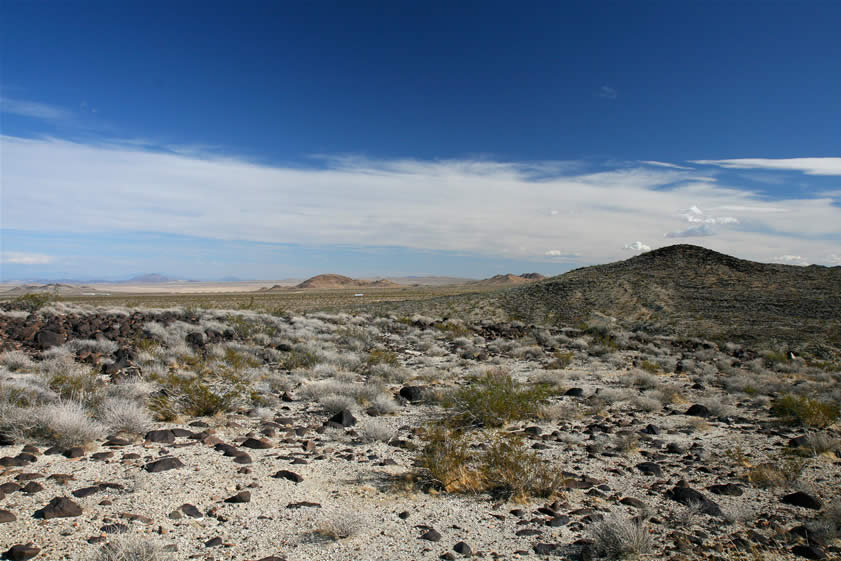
(606, 92)
(697, 216)
(700, 230)
(19, 258)
(809, 166)
(790, 260)
(637, 246)
(34, 109)
(664, 165)
(481, 207)
(553, 253)
(833, 260)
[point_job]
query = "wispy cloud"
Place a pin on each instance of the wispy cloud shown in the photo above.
(500, 209)
(34, 110)
(606, 92)
(809, 166)
(701, 230)
(19, 258)
(664, 164)
(790, 260)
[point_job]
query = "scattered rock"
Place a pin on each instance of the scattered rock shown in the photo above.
(6, 516)
(431, 535)
(689, 497)
(343, 418)
(59, 507)
(463, 549)
(698, 410)
(163, 436)
(802, 499)
(163, 464)
(290, 475)
(241, 497)
(21, 552)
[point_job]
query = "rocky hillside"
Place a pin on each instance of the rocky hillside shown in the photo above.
(509, 280)
(340, 281)
(690, 289)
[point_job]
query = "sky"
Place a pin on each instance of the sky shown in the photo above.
(272, 140)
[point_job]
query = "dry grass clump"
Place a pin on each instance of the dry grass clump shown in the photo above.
(803, 410)
(338, 526)
(782, 473)
(506, 468)
(64, 424)
(17, 361)
(495, 399)
(620, 537)
(125, 415)
(130, 548)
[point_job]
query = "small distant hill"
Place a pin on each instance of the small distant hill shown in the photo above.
(341, 281)
(687, 289)
(50, 288)
(509, 279)
(148, 278)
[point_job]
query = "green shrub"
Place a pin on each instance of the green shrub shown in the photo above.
(560, 360)
(378, 356)
(803, 410)
(649, 366)
(506, 469)
(496, 399)
(33, 301)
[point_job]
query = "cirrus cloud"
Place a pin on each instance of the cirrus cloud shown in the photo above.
(474, 206)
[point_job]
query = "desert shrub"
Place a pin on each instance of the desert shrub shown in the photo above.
(17, 361)
(495, 399)
(827, 526)
(782, 472)
(380, 356)
(199, 395)
(617, 537)
(384, 403)
(337, 526)
(333, 403)
(376, 430)
(649, 366)
(103, 346)
(130, 548)
(70, 379)
(803, 410)
(299, 358)
(123, 415)
(65, 424)
(505, 469)
(560, 360)
(819, 443)
(33, 301)
(25, 390)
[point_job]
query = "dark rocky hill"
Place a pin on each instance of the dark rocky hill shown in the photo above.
(691, 290)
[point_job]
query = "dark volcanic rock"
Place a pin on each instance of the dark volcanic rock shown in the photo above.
(163, 436)
(689, 497)
(85, 492)
(809, 552)
(343, 418)
(802, 499)
(6, 516)
(241, 497)
(731, 489)
(650, 468)
(431, 535)
(463, 549)
(698, 410)
(163, 464)
(256, 444)
(59, 507)
(21, 552)
(413, 394)
(290, 475)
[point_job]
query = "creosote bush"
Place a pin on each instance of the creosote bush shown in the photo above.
(129, 548)
(506, 468)
(803, 410)
(495, 399)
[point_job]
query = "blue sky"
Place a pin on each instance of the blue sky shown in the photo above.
(274, 140)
